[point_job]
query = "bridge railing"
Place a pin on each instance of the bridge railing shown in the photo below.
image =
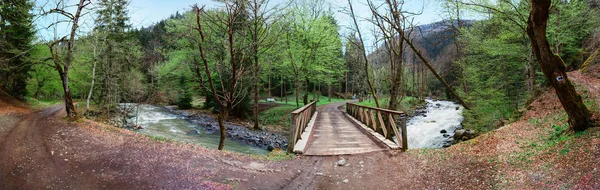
(381, 121)
(299, 121)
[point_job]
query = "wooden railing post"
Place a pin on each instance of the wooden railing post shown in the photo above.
(404, 136)
(373, 118)
(299, 120)
(291, 139)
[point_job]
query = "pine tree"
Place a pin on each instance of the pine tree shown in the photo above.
(16, 35)
(116, 52)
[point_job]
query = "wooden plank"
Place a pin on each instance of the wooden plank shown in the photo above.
(372, 117)
(382, 123)
(366, 121)
(380, 109)
(394, 128)
(304, 107)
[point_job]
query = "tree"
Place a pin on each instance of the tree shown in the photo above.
(16, 36)
(118, 53)
(310, 36)
(361, 46)
(261, 39)
(231, 71)
(62, 64)
(554, 68)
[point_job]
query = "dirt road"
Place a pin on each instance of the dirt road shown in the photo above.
(41, 151)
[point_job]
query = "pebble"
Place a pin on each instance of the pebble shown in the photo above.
(341, 162)
(66, 160)
(345, 180)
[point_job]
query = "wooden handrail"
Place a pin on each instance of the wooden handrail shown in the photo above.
(382, 121)
(299, 121)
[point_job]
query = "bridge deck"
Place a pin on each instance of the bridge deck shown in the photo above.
(334, 134)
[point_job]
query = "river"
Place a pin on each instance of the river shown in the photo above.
(158, 121)
(424, 130)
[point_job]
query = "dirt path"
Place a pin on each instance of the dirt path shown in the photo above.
(42, 151)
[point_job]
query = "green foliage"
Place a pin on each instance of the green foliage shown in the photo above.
(407, 104)
(16, 37)
(496, 64)
(185, 97)
(277, 116)
(571, 22)
(494, 68)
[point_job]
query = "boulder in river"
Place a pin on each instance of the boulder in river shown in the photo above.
(443, 131)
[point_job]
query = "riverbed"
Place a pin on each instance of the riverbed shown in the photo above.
(160, 122)
(433, 126)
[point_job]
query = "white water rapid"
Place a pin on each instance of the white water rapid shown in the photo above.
(424, 130)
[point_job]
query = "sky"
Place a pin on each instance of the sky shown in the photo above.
(144, 13)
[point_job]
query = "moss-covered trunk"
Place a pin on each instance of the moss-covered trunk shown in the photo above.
(554, 68)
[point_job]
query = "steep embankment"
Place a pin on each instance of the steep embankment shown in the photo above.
(9, 104)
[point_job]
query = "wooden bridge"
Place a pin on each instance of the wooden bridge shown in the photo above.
(332, 130)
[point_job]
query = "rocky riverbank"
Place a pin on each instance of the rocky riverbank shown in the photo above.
(262, 139)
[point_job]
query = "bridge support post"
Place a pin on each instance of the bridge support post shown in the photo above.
(404, 136)
(292, 138)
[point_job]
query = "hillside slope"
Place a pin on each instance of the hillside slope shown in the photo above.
(11, 104)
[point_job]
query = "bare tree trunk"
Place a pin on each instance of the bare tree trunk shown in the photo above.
(554, 68)
(362, 47)
(221, 120)
(63, 67)
(346, 87)
(256, 90)
(87, 103)
(329, 92)
(297, 91)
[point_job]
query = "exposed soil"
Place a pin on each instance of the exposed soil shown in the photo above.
(40, 150)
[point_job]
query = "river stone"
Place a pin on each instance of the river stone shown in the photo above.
(341, 162)
(458, 134)
(470, 133)
(443, 131)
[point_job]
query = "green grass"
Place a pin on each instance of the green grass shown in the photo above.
(279, 115)
(42, 102)
(160, 138)
(322, 100)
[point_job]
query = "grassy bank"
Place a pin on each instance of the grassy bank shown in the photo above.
(408, 104)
